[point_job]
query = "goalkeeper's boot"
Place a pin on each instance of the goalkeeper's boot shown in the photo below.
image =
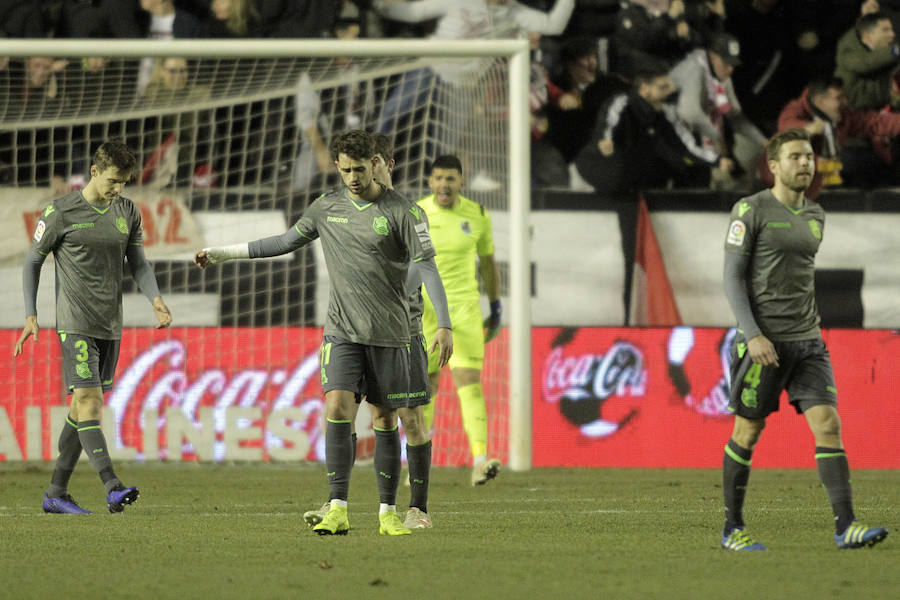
(335, 522)
(120, 497)
(484, 471)
(314, 517)
(416, 519)
(858, 535)
(389, 524)
(63, 505)
(738, 539)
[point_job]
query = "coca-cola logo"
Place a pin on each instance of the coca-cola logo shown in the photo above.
(158, 380)
(582, 383)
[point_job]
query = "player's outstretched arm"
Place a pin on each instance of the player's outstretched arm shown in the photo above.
(275, 245)
(31, 329)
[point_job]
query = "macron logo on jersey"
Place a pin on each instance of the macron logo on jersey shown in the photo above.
(331, 219)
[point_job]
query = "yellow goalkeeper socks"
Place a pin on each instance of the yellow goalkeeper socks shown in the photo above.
(474, 417)
(428, 411)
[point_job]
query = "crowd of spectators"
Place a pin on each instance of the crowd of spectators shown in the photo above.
(625, 94)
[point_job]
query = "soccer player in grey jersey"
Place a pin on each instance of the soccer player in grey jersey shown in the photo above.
(770, 251)
(369, 236)
(418, 440)
(90, 233)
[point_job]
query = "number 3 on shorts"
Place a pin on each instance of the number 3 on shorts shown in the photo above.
(82, 348)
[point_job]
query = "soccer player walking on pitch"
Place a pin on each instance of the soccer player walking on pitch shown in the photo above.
(369, 236)
(418, 441)
(90, 233)
(461, 230)
(770, 254)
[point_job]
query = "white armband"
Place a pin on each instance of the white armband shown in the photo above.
(221, 254)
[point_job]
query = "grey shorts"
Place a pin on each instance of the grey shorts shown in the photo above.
(380, 373)
(419, 394)
(804, 370)
(88, 362)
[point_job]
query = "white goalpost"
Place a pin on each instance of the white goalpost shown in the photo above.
(225, 133)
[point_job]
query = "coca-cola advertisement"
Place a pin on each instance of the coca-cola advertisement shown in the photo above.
(213, 394)
(608, 397)
(217, 394)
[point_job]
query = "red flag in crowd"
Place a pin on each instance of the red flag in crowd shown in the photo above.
(652, 301)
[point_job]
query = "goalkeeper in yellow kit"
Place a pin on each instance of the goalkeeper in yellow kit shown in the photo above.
(460, 232)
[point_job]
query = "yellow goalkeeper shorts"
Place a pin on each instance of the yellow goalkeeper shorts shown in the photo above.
(468, 336)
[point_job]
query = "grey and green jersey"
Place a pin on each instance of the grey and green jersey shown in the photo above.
(416, 300)
(368, 247)
(89, 245)
(780, 244)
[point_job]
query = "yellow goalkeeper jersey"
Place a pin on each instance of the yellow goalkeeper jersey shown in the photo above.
(459, 234)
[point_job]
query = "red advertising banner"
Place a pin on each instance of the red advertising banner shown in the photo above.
(214, 394)
(602, 397)
(658, 398)
(267, 378)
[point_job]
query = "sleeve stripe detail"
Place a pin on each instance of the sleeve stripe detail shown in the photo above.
(301, 233)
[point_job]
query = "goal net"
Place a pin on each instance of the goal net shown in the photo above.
(232, 146)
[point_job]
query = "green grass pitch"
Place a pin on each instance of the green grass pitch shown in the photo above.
(234, 531)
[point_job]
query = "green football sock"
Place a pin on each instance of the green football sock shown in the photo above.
(419, 461)
(94, 443)
(338, 458)
(387, 464)
(69, 453)
(735, 475)
(834, 473)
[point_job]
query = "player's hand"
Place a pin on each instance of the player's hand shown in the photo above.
(209, 256)
(492, 323)
(31, 329)
(162, 313)
(762, 352)
(201, 259)
(443, 339)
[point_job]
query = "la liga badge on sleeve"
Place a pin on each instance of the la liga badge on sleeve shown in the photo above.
(736, 233)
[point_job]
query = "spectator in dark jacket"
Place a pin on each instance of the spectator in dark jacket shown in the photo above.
(867, 60)
(658, 33)
(852, 146)
(639, 143)
(584, 88)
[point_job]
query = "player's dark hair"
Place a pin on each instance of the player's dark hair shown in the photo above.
(384, 147)
(447, 161)
(114, 153)
(357, 144)
(868, 22)
(783, 137)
